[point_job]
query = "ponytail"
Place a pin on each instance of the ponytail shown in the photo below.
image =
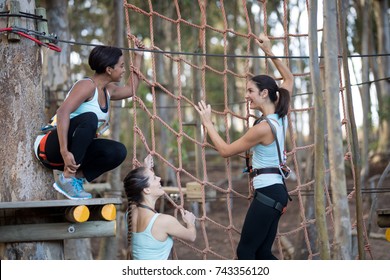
(279, 96)
(283, 102)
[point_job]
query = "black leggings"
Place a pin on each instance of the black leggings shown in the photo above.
(261, 225)
(95, 156)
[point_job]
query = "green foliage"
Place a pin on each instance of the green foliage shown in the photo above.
(90, 23)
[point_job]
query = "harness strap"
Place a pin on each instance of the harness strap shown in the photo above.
(280, 171)
(262, 198)
(266, 170)
(42, 154)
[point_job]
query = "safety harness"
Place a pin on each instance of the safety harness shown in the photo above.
(282, 169)
(42, 154)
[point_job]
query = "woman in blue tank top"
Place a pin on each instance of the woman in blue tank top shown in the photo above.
(263, 94)
(73, 146)
(150, 234)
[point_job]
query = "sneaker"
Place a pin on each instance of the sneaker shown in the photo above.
(72, 188)
(80, 182)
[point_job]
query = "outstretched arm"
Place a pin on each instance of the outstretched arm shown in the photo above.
(288, 78)
(252, 137)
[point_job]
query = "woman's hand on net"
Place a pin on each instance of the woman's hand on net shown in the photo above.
(149, 162)
(188, 217)
(138, 45)
(265, 43)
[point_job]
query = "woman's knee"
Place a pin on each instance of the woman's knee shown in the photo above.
(121, 151)
(117, 152)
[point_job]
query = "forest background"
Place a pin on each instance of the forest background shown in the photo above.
(102, 22)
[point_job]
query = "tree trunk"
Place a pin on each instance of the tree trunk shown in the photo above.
(164, 75)
(319, 136)
(381, 8)
(197, 90)
(22, 115)
(342, 238)
(56, 72)
(351, 127)
(365, 90)
(306, 172)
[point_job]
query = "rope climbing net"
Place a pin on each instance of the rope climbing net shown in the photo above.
(203, 54)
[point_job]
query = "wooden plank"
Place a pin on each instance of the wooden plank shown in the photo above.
(170, 190)
(56, 231)
(383, 211)
(58, 203)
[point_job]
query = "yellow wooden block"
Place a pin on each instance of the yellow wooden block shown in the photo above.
(108, 212)
(387, 234)
(78, 214)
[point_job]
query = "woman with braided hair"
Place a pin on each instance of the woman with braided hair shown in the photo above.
(266, 139)
(150, 234)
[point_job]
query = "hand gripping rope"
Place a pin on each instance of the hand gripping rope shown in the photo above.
(26, 33)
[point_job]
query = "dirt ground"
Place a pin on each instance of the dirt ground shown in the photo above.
(216, 241)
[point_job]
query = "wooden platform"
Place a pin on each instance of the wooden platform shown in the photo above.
(58, 203)
(24, 221)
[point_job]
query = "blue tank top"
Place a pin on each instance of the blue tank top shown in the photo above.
(89, 106)
(146, 247)
(93, 106)
(267, 155)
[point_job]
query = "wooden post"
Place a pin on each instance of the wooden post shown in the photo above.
(77, 214)
(104, 212)
(42, 25)
(194, 192)
(14, 8)
(194, 195)
(383, 218)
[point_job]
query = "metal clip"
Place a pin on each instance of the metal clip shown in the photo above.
(285, 171)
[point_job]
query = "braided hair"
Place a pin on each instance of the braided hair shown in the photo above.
(135, 181)
(278, 95)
